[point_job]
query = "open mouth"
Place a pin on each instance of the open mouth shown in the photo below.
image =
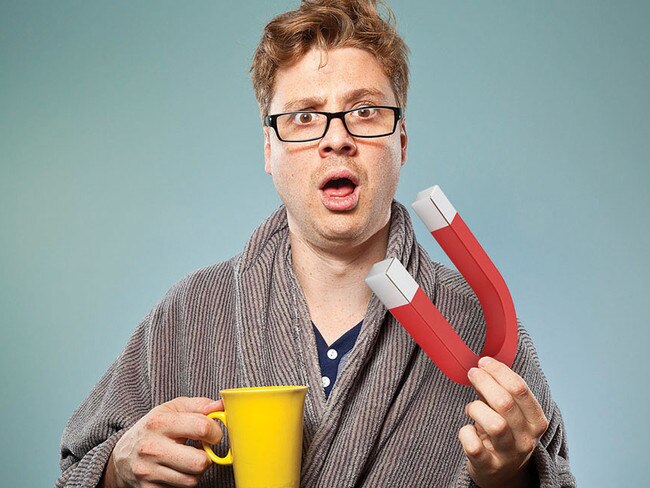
(340, 191)
(339, 187)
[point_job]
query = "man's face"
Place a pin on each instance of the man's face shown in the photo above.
(337, 190)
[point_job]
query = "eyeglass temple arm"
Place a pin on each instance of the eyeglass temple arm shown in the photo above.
(410, 305)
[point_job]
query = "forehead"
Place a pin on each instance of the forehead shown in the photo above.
(331, 80)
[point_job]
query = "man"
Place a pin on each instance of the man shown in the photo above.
(331, 80)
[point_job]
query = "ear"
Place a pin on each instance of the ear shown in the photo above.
(267, 150)
(403, 138)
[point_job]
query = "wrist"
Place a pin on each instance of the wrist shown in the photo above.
(526, 477)
(109, 477)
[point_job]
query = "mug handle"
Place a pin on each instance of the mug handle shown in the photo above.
(206, 447)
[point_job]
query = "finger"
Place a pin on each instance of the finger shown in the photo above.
(494, 425)
(474, 449)
(215, 406)
(519, 391)
(485, 438)
(497, 398)
(480, 431)
(186, 459)
(193, 426)
(189, 404)
(164, 476)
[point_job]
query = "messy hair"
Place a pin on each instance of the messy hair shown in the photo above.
(330, 24)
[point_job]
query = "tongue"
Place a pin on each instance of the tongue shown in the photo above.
(339, 188)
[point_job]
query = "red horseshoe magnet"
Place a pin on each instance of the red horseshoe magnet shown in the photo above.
(404, 298)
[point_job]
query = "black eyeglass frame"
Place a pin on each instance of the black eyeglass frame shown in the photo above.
(272, 121)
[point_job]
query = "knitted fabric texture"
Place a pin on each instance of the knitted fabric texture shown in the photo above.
(392, 418)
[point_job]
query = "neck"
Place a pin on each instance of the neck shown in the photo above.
(332, 280)
(335, 267)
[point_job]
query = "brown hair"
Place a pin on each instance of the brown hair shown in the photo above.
(328, 24)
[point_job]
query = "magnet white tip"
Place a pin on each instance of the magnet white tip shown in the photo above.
(392, 284)
(433, 208)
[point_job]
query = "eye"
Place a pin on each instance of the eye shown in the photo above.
(303, 118)
(365, 112)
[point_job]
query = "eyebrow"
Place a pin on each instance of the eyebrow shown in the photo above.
(301, 103)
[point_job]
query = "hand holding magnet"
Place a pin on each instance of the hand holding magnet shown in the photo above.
(408, 303)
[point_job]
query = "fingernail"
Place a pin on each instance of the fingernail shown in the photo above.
(484, 361)
(471, 372)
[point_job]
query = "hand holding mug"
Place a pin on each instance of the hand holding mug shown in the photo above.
(153, 452)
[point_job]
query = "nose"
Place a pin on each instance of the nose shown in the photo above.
(337, 140)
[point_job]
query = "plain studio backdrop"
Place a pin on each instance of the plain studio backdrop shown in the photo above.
(131, 152)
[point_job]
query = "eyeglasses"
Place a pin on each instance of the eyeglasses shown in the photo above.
(305, 126)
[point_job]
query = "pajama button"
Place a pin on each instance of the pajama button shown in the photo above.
(332, 354)
(326, 381)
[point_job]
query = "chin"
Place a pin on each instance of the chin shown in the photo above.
(349, 233)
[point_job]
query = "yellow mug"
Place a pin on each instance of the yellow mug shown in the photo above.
(265, 431)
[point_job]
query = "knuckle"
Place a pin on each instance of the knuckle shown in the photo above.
(498, 428)
(519, 388)
(205, 463)
(187, 480)
(473, 450)
(528, 446)
(181, 403)
(146, 448)
(498, 465)
(200, 463)
(140, 470)
(194, 481)
(154, 421)
(204, 428)
(542, 425)
(504, 404)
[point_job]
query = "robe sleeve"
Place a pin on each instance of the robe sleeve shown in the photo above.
(118, 400)
(551, 456)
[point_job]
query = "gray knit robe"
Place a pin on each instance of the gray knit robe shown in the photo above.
(392, 418)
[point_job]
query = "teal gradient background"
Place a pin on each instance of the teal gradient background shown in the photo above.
(131, 154)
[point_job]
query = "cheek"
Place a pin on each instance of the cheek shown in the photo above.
(288, 182)
(390, 165)
(287, 161)
(277, 169)
(280, 179)
(386, 177)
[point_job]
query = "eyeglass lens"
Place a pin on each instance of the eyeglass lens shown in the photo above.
(363, 122)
